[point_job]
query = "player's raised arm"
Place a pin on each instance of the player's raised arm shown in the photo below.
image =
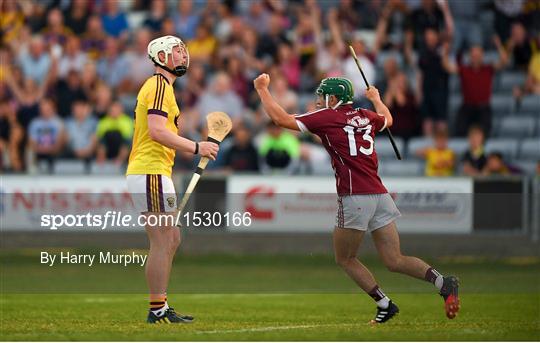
(372, 94)
(159, 133)
(278, 115)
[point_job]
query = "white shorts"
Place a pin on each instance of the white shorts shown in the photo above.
(367, 212)
(152, 193)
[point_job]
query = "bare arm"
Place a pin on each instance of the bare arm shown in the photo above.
(503, 54)
(448, 19)
(333, 26)
(159, 133)
(448, 65)
(372, 94)
(278, 115)
(380, 30)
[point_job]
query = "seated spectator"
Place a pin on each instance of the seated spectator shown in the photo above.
(77, 16)
(56, 33)
(114, 21)
(242, 155)
(202, 47)
(474, 159)
(102, 100)
(267, 43)
(11, 136)
(193, 85)
(287, 98)
(289, 64)
(93, 39)
(137, 62)
(279, 150)
(46, 134)
(27, 95)
(476, 86)
(403, 105)
(81, 132)
(67, 91)
(186, 20)
(111, 67)
(440, 159)
(114, 132)
(496, 166)
(220, 97)
(239, 82)
(12, 22)
(156, 16)
(72, 58)
(35, 62)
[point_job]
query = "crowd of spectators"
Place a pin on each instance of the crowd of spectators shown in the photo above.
(71, 71)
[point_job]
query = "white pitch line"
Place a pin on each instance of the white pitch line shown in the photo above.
(272, 328)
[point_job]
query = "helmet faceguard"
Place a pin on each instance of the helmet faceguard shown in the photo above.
(166, 44)
(339, 87)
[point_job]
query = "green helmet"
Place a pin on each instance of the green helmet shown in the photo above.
(339, 87)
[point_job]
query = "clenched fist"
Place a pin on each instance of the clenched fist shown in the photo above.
(262, 81)
(208, 149)
(372, 94)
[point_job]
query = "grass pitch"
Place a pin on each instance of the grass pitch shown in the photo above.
(264, 298)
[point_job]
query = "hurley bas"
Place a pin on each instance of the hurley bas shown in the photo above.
(66, 257)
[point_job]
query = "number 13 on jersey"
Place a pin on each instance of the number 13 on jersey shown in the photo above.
(366, 130)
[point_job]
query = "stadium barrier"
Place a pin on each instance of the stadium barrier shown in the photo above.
(300, 204)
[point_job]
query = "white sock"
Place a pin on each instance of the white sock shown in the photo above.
(384, 302)
(161, 311)
(439, 282)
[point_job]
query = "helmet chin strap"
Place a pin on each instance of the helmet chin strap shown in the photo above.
(327, 100)
(339, 103)
(177, 71)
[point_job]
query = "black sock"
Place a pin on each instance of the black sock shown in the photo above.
(380, 298)
(376, 293)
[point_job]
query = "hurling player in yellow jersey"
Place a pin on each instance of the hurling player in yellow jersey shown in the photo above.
(155, 142)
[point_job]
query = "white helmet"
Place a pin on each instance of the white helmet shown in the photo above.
(166, 44)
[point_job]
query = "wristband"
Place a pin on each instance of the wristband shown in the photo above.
(196, 148)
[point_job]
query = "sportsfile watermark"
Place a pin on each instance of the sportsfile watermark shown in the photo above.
(114, 219)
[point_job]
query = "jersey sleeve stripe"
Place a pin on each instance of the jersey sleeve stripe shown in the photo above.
(162, 93)
(309, 113)
(384, 126)
(158, 112)
(301, 126)
(157, 92)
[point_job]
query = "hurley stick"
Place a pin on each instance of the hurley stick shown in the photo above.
(219, 125)
(390, 136)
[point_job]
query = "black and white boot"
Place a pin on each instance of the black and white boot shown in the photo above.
(385, 314)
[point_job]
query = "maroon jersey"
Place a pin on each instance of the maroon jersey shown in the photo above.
(348, 134)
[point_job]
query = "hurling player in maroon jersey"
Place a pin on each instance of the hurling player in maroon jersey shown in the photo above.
(364, 205)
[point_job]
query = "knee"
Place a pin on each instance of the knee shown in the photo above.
(174, 243)
(393, 264)
(344, 261)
